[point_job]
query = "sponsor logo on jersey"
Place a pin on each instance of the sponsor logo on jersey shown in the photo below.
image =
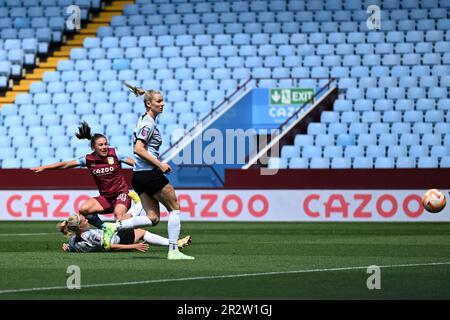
(103, 170)
(144, 132)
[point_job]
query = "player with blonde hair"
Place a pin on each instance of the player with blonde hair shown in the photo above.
(84, 239)
(148, 179)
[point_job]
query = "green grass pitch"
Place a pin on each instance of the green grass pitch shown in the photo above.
(237, 261)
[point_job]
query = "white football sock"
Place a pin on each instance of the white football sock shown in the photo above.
(136, 210)
(133, 223)
(173, 228)
(155, 239)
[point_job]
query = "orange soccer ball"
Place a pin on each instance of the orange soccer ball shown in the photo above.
(434, 200)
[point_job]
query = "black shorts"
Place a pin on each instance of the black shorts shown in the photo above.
(148, 181)
(126, 236)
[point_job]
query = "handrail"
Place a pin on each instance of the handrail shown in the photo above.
(280, 127)
(327, 85)
(239, 88)
(212, 111)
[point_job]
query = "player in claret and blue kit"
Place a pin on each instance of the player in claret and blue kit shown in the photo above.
(104, 163)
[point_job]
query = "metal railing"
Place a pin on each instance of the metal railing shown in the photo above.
(209, 114)
(281, 128)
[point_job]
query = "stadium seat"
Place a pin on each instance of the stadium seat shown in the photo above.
(362, 163)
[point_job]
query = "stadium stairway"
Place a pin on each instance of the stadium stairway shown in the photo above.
(104, 17)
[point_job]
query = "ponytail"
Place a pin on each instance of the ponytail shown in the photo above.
(148, 94)
(70, 226)
(137, 91)
(84, 131)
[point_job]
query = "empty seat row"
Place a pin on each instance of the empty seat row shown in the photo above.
(360, 163)
(361, 151)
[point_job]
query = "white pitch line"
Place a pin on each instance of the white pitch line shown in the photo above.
(25, 234)
(224, 277)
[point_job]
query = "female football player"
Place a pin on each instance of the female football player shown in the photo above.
(84, 239)
(104, 163)
(148, 174)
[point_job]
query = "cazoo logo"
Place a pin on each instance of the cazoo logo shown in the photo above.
(103, 170)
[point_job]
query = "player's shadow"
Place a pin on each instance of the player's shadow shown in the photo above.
(127, 257)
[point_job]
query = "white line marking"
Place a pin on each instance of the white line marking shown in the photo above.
(98, 285)
(25, 234)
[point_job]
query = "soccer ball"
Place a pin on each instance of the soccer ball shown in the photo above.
(433, 201)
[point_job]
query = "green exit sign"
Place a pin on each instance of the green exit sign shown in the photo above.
(291, 96)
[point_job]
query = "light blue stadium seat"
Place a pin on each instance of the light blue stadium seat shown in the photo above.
(12, 121)
(440, 70)
(401, 127)
(349, 116)
(23, 153)
(298, 163)
(64, 153)
(428, 81)
(316, 128)
(418, 151)
(358, 128)
(397, 151)
(343, 105)
(121, 140)
(438, 93)
(341, 48)
(324, 140)
(366, 139)
(277, 163)
(384, 104)
(44, 151)
(370, 116)
(376, 151)
(404, 105)
(413, 116)
(439, 151)
(406, 82)
(446, 60)
(303, 140)
(355, 93)
(329, 116)
(434, 116)
(10, 163)
(420, 71)
(422, 128)
(431, 58)
(409, 139)
(290, 151)
(309, 151)
(354, 151)
(375, 93)
(345, 139)
(445, 162)
(337, 128)
(384, 163)
(331, 151)
(362, 163)
(341, 163)
(433, 139)
(442, 46)
(388, 139)
(427, 162)
(405, 162)
(319, 163)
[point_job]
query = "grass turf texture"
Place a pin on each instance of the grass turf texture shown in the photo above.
(36, 261)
